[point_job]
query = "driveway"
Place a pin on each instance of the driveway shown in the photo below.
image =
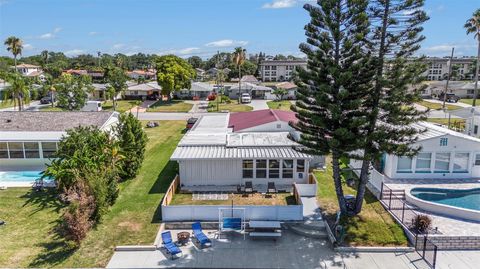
(170, 115)
(258, 104)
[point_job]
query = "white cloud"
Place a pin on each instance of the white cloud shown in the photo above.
(446, 49)
(275, 4)
(74, 52)
(118, 46)
(93, 33)
(183, 52)
(226, 43)
(28, 46)
(50, 35)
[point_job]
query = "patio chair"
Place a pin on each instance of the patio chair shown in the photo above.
(198, 234)
(169, 246)
(271, 188)
(248, 187)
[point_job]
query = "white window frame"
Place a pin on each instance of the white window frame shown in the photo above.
(404, 171)
(423, 170)
(449, 163)
(468, 163)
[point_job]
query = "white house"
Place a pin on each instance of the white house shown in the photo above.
(213, 153)
(29, 139)
(444, 154)
(200, 89)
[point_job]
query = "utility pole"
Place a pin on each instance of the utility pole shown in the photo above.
(448, 79)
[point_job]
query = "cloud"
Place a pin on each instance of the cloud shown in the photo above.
(3, 2)
(118, 46)
(183, 52)
(276, 4)
(73, 52)
(226, 43)
(51, 34)
(28, 46)
(446, 49)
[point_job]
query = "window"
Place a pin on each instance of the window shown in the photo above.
(460, 163)
(16, 150)
(279, 126)
(442, 162)
(475, 129)
(443, 142)
(477, 159)
(300, 166)
(247, 166)
(274, 67)
(287, 171)
(273, 169)
(3, 150)
(404, 165)
(424, 161)
(31, 150)
(261, 171)
(267, 67)
(49, 149)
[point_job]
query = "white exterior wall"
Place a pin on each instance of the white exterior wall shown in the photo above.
(229, 172)
(455, 145)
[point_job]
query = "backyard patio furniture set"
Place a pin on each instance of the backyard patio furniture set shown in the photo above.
(248, 188)
(171, 247)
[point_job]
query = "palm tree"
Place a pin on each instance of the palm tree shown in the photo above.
(44, 55)
(238, 60)
(17, 91)
(473, 27)
(15, 46)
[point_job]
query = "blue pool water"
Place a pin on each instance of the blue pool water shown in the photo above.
(20, 176)
(469, 199)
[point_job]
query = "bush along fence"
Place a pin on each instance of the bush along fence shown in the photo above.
(394, 202)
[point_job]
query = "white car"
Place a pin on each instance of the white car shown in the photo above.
(246, 98)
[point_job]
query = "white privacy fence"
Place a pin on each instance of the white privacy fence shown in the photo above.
(375, 178)
(210, 212)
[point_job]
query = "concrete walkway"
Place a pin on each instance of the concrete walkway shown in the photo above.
(258, 104)
(290, 251)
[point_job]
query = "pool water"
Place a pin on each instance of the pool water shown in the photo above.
(20, 176)
(469, 199)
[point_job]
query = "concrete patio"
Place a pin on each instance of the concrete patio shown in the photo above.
(290, 251)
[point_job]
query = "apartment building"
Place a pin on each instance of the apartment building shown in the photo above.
(279, 70)
(438, 68)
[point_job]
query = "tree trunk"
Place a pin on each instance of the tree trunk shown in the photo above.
(475, 91)
(337, 179)
(239, 85)
(373, 117)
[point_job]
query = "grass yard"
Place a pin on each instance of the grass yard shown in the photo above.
(122, 105)
(172, 106)
(6, 104)
(457, 124)
(50, 108)
(372, 227)
(281, 105)
(238, 199)
(234, 106)
(437, 106)
(470, 101)
(29, 239)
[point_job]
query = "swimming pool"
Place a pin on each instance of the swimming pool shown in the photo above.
(19, 176)
(468, 199)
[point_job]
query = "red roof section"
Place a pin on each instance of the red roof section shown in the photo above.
(244, 120)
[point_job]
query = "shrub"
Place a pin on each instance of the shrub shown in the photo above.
(421, 223)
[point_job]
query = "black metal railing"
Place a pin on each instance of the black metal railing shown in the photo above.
(394, 202)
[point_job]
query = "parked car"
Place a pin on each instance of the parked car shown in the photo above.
(191, 122)
(46, 100)
(92, 106)
(246, 98)
(451, 97)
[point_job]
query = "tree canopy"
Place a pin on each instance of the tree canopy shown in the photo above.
(173, 73)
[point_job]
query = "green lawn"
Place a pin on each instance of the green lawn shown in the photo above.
(6, 104)
(50, 108)
(234, 106)
(458, 124)
(122, 105)
(372, 227)
(238, 199)
(172, 106)
(470, 101)
(437, 106)
(30, 239)
(281, 105)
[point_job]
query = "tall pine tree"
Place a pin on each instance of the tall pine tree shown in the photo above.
(395, 36)
(334, 86)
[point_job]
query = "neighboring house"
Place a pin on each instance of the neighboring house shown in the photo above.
(256, 91)
(199, 89)
(250, 79)
(149, 90)
(472, 119)
(97, 76)
(28, 69)
(137, 74)
(444, 154)
(214, 154)
(279, 70)
(212, 72)
(462, 89)
(265, 120)
(201, 74)
(98, 93)
(29, 139)
(289, 86)
(3, 87)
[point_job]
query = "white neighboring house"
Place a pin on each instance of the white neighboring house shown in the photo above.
(199, 89)
(212, 153)
(444, 154)
(30, 70)
(29, 139)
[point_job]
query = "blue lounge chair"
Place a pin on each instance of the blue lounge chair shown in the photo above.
(202, 239)
(169, 245)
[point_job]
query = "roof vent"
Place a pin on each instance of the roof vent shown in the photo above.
(9, 120)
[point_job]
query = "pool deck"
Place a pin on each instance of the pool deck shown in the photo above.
(447, 225)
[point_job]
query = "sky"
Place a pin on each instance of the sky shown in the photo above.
(196, 27)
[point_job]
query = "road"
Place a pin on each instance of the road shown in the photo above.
(170, 115)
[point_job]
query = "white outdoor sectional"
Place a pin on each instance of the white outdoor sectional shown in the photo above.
(213, 154)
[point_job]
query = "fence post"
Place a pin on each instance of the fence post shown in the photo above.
(390, 201)
(381, 191)
(403, 211)
(434, 256)
(424, 246)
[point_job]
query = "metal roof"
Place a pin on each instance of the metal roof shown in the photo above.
(259, 139)
(31, 136)
(433, 131)
(221, 152)
(208, 130)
